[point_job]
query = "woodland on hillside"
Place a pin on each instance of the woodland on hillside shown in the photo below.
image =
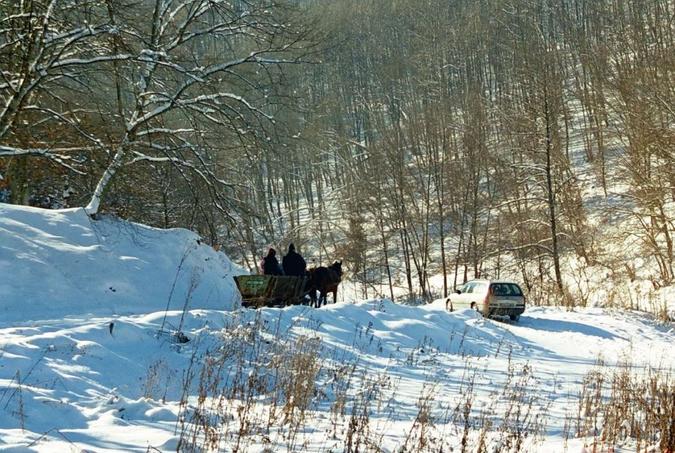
(412, 137)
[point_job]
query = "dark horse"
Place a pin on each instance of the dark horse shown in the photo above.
(325, 280)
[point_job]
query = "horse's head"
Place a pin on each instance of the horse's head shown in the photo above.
(337, 267)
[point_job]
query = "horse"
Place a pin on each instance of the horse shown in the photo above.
(325, 280)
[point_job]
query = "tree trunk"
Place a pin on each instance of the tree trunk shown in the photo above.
(551, 195)
(95, 201)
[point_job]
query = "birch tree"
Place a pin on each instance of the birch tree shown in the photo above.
(188, 80)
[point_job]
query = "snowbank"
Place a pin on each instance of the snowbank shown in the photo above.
(57, 263)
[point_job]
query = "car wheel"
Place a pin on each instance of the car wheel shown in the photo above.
(514, 317)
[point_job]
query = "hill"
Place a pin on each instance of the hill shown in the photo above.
(61, 262)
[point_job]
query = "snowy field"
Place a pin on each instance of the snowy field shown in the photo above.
(86, 368)
(85, 387)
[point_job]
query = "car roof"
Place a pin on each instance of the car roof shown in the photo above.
(482, 280)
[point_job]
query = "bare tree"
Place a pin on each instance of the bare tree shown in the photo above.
(193, 80)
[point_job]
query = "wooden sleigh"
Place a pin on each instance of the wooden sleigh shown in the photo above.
(271, 290)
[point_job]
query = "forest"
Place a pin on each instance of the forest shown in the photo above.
(417, 139)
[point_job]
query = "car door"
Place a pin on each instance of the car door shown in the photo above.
(478, 295)
(462, 300)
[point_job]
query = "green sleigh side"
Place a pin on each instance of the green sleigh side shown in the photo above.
(271, 290)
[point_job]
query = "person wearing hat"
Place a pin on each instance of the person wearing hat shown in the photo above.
(270, 263)
(293, 263)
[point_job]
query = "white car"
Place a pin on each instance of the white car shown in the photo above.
(489, 297)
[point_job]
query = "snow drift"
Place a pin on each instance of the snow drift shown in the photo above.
(57, 263)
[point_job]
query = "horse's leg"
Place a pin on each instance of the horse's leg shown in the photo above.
(335, 295)
(324, 297)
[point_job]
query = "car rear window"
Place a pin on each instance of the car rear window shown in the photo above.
(505, 289)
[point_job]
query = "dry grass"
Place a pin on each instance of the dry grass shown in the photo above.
(263, 389)
(267, 390)
(627, 407)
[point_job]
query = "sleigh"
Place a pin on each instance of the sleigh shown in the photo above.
(271, 290)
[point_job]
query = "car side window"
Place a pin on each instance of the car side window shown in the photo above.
(468, 288)
(479, 288)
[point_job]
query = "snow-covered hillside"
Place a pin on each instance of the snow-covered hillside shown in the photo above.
(88, 361)
(57, 263)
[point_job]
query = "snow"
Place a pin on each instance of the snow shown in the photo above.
(86, 388)
(86, 368)
(61, 262)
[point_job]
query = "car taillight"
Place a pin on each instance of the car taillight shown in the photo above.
(486, 304)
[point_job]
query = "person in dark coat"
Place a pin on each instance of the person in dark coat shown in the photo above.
(271, 264)
(294, 263)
